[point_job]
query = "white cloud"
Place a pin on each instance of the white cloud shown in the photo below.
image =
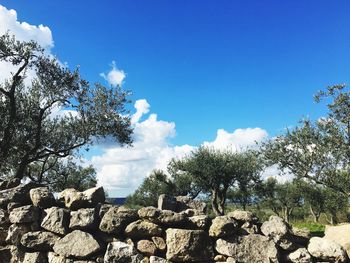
(121, 170)
(115, 76)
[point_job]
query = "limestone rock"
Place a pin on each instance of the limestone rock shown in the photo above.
(142, 229)
(56, 220)
(39, 240)
(339, 234)
(146, 247)
(200, 222)
(243, 216)
(35, 257)
(120, 252)
(162, 217)
(54, 258)
(116, 219)
(4, 217)
(74, 199)
(18, 194)
(15, 233)
(154, 259)
(301, 255)
(77, 244)
(249, 248)
(188, 245)
(82, 219)
(160, 243)
(42, 197)
(24, 214)
(220, 258)
(185, 202)
(223, 226)
(166, 202)
(11, 254)
(326, 250)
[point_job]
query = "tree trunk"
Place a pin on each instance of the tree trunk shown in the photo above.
(287, 213)
(315, 215)
(214, 202)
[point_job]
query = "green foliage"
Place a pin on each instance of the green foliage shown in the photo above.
(315, 228)
(30, 133)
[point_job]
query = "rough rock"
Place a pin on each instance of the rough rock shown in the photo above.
(166, 202)
(18, 194)
(223, 226)
(120, 252)
(146, 247)
(142, 229)
(200, 222)
(116, 219)
(35, 257)
(221, 258)
(154, 259)
(42, 197)
(243, 216)
(11, 254)
(301, 255)
(160, 243)
(82, 219)
(339, 234)
(56, 220)
(4, 217)
(249, 248)
(74, 199)
(162, 217)
(39, 240)
(54, 258)
(15, 233)
(24, 214)
(185, 202)
(326, 250)
(77, 244)
(188, 245)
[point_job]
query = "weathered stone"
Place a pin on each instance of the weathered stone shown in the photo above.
(166, 202)
(54, 258)
(120, 252)
(154, 259)
(35, 257)
(103, 208)
(223, 226)
(243, 216)
(326, 250)
(200, 222)
(77, 244)
(248, 228)
(15, 233)
(24, 214)
(185, 202)
(339, 234)
(146, 247)
(301, 255)
(221, 258)
(56, 220)
(74, 199)
(162, 217)
(249, 248)
(4, 217)
(39, 240)
(160, 243)
(82, 219)
(188, 245)
(42, 197)
(3, 235)
(12, 205)
(116, 219)
(142, 229)
(11, 254)
(18, 194)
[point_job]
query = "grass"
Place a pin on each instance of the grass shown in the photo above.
(315, 229)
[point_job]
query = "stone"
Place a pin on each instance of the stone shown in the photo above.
(116, 219)
(223, 226)
(188, 245)
(83, 219)
(166, 202)
(15, 233)
(249, 248)
(120, 252)
(221, 258)
(77, 244)
(18, 194)
(103, 208)
(74, 199)
(39, 240)
(4, 217)
(162, 217)
(154, 259)
(11, 254)
(185, 202)
(35, 257)
(242, 216)
(94, 195)
(248, 228)
(146, 247)
(42, 197)
(326, 250)
(56, 220)
(3, 235)
(301, 255)
(200, 222)
(24, 214)
(339, 234)
(160, 243)
(10, 183)
(54, 258)
(142, 229)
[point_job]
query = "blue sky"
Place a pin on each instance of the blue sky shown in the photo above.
(206, 65)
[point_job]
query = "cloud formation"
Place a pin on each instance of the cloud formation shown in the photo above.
(115, 76)
(122, 170)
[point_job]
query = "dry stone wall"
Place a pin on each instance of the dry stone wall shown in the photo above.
(81, 227)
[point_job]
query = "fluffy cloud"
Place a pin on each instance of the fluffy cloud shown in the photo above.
(121, 170)
(115, 76)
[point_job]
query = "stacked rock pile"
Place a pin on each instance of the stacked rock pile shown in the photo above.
(81, 227)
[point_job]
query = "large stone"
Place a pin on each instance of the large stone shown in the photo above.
(223, 226)
(326, 250)
(301, 255)
(15, 233)
(160, 243)
(120, 252)
(249, 248)
(116, 219)
(24, 214)
(11, 254)
(54, 258)
(200, 222)
(339, 234)
(185, 202)
(77, 244)
(35, 257)
(155, 259)
(166, 202)
(188, 245)
(142, 229)
(42, 197)
(162, 217)
(146, 247)
(56, 220)
(243, 216)
(83, 219)
(39, 240)
(74, 199)
(18, 194)
(4, 217)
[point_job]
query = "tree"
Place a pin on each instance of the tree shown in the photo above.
(214, 172)
(30, 132)
(320, 150)
(334, 202)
